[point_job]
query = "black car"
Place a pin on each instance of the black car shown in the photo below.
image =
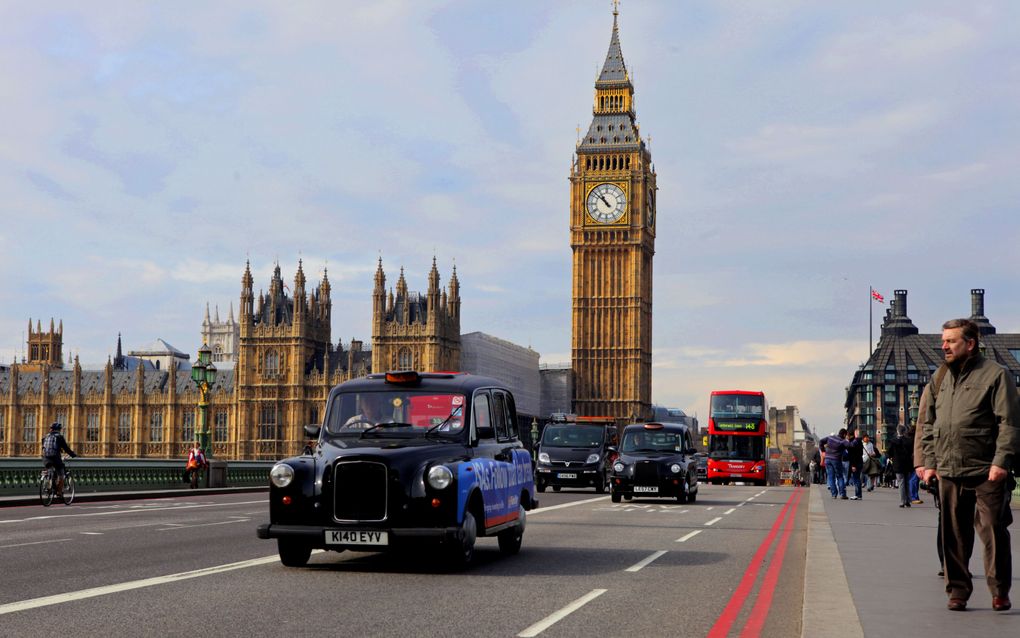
(405, 458)
(656, 460)
(702, 465)
(575, 455)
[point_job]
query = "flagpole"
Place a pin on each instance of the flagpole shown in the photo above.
(871, 322)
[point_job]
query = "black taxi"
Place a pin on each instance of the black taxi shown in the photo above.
(573, 454)
(403, 458)
(656, 460)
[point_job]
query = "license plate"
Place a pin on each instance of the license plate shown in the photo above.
(566, 475)
(737, 475)
(646, 488)
(356, 537)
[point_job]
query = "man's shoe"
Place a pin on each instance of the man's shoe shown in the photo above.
(1001, 603)
(902, 505)
(917, 501)
(942, 572)
(957, 604)
(854, 498)
(844, 497)
(906, 504)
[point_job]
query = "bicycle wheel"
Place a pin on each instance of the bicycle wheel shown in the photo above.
(68, 489)
(46, 489)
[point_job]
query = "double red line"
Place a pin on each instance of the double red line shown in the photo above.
(763, 603)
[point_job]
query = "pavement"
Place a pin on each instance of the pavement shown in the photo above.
(91, 497)
(872, 570)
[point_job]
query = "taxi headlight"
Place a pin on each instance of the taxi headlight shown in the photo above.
(675, 468)
(440, 477)
(281, 475)
(592, 458)
(619, 467)
(543, 457)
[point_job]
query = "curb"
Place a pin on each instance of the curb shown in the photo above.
(826, 590)
(93, 497)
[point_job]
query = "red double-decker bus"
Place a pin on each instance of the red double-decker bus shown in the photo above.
(737, 430)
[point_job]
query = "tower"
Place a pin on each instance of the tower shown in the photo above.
(415, 331)
(612, 235)
(45, 349)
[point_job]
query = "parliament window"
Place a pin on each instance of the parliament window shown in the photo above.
(267, 422)
(188, 426)
(272, 364)
(156, 427)
(404, 359)
(124, 426)
(92, 426)
(28, 431)
(221, 426)
(3, 425)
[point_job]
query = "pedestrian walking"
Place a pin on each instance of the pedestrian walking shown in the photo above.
(835, 445)
(856, 455)
(971, 439)
(901, 453)
(872, 462)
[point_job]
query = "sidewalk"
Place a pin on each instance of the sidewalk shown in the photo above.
(89, 497)
(889, 584)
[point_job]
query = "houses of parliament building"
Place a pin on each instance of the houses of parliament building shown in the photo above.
(286, 365)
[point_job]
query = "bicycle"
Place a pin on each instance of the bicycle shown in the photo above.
(47, 486)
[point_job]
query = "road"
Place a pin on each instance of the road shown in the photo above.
(732, 563)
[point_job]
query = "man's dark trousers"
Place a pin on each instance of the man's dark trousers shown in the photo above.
(959, 498)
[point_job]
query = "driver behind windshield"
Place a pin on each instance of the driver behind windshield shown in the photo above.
(373, 412)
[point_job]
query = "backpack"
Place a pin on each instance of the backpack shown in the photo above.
(50, 446)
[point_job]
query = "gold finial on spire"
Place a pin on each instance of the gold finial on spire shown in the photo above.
(616, 8)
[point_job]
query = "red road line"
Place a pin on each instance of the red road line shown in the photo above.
(763, 604)
(729, 614)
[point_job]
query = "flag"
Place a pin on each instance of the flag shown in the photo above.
(877, 297)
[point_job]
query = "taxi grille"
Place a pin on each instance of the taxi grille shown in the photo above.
(646, 473)
(359, 491)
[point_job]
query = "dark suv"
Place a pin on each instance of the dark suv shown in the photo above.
(656, 460)
(575, 455)
(405, 458)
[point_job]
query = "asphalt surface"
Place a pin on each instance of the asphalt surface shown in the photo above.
(587, 567)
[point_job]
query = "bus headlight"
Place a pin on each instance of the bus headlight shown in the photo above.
(543, 457)
(619, 467)
(675, 468)
(281, 475)
(440, 477)
(592, 458)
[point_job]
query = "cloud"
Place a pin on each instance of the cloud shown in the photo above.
(907, 40)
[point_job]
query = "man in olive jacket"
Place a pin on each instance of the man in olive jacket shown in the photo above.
(971, 439)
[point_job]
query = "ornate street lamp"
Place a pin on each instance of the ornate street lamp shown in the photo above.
(203, 373)
(914, 401)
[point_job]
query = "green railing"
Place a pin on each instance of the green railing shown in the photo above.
(21, 476)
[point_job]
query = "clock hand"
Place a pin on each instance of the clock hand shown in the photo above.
(604, 200)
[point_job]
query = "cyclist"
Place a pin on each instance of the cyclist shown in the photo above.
(53, 444)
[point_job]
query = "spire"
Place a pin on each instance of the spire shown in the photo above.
(120, 354)
(454, 285)
(246, 280)
(216, 319)
(434, 278)
(401, 284)
(230, 317)
(205, 322)
(324, 286)
(380, 277)
(614, 70)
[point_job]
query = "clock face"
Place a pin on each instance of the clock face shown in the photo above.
(606, 203)
(650, 206)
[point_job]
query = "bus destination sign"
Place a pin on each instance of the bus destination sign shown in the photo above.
(737, 426)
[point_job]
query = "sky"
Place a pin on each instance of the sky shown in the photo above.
(805, 151)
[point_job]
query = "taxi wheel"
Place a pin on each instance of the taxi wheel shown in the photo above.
(600, 487)
(692, 497)
(628, 496)
(462, 552)
(293, 553)
(556, 488)
(540, 487)
(681, 497)
(614, 497)
(510, 539)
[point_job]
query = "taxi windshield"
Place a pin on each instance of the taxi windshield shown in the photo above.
(650, 441)
(396, 413)
(573, 436)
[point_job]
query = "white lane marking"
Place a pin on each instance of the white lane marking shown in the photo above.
(729, 511)
(557, 616)
(93, 533)
(714, 521)
(687, 537)
(683, 511)
(57, 540)
(57, 599)
(177, 527)
(740, 504)
(638, 566)
(709, 509)
(148, 509)
(556, 507)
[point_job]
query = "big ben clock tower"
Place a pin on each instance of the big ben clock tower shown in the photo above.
(612, 235)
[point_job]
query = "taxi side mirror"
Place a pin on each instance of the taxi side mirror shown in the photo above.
(612, 448)
(312, 430)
